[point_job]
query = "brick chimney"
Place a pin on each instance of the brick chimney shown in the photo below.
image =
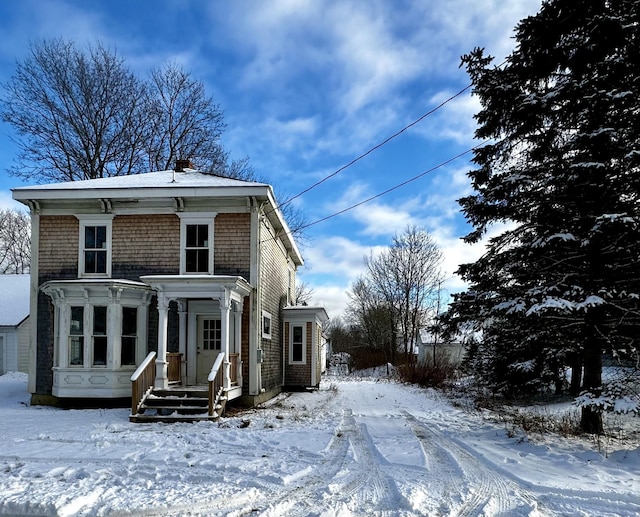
(181, 165)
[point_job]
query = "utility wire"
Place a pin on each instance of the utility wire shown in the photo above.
(395, 187)
(376, 147)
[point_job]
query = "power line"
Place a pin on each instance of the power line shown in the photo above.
(377, 146)
(395, 187)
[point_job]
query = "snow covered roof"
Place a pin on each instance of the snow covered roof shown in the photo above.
(159, 185)
(14, 299)
(160, 180)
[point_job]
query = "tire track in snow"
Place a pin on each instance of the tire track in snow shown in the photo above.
(349, 478)
(483, 490)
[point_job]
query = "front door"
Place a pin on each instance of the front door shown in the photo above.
(208, 346)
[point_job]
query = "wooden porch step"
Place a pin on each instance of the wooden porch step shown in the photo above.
(183, 404)
(169, 419)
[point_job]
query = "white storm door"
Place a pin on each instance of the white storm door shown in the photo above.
(208, 346)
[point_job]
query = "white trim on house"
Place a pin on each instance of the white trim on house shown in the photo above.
(229, 291)
(189, 219)
(111, 379)
(97, 220)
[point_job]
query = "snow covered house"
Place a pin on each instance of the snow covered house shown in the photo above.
(14, 323)
(162, 280)
(430, 347)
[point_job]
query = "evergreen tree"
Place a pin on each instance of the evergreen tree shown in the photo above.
(560, 163)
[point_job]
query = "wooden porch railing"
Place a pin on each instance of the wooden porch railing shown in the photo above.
(216, 383)
(174, 367)
(142, 381)
(233, 368)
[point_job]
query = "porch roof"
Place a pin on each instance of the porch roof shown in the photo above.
(198, 286)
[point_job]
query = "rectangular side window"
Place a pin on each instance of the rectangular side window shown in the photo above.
(297, 344)
(76, 337)
(129, 336)
(266, 325)
(99, 336)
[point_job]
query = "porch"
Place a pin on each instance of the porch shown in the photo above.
(178, 402)
(196, 382)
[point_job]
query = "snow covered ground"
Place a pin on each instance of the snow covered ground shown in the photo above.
(355, 447)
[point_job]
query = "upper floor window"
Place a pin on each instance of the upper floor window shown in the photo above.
(94, 254)
(197, 248)
(196, 243)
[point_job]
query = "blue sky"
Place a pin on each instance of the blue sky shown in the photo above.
(307, 86)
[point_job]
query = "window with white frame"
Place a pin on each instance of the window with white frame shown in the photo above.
(76, 337)
(129, 338)
(297, 352)
(266, 325)
(94, 254)
(99, 336)
(196, 243)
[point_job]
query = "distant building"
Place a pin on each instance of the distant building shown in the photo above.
(14, 323)
(429, 346)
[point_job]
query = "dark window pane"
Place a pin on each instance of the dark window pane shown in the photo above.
(101, 262)
(203, 261)
(129, 321)
(128, 351)
(203, 239)
(101, 237)
(191, 261)
(76, 350)
(90, 237)
(77, 321)
(100, 350)
(99, 321)
(192, 235)
(90, 261)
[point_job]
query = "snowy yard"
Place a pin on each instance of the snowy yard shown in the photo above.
(356, 447)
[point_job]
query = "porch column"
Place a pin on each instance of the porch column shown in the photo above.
(237, 319)
(161, 360)
(182, 338)
(225, 306)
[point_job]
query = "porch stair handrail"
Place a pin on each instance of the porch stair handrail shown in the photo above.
(216, 385)
(142, 382)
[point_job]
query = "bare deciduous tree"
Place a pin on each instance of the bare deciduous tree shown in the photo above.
(304, 293)
(78, 115)
(15, 242)
(185, 122)
(404, 279)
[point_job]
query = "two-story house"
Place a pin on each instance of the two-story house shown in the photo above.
(175, 269)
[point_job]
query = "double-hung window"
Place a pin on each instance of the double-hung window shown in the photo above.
(196, 243)
(76, 337)
(94, 253)
(297, 352)
(99, 335)
(129, 337)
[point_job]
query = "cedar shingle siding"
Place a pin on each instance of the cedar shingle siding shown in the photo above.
(144, 245)
(275, 284)
(232, 245)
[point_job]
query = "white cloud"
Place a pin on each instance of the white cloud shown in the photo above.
(8, 203)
